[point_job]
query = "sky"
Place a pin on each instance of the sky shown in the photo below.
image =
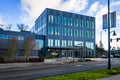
(26, 11)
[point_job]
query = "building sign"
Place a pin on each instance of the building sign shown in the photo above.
(112, 20)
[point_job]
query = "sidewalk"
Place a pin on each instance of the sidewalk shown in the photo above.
(115, 77)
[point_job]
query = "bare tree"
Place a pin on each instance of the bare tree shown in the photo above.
(22, 27)
(28, 47)
(12, 49)
(1, 27)
(8, 26)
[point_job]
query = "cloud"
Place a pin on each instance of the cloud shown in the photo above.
(1, 20)
(101, 10)
(33, 8)
(73, 5)
(94, 7)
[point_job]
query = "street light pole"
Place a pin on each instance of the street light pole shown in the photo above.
(101, 45)
(109, 58)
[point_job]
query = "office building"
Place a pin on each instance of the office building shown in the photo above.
(66, 34)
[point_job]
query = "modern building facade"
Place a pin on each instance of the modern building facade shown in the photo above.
(66, 34)
(7, 36)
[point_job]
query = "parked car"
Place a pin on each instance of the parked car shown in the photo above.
(103, 56)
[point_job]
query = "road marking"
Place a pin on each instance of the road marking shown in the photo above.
(100, 64)
(77, 65)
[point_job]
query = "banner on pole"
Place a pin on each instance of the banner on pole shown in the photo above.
(112, 17)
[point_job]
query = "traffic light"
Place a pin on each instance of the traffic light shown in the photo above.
(110, 40)
(118, 39)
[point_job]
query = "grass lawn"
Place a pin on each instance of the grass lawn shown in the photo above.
(89, 75)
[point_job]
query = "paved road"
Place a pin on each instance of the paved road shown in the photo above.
(45, 72)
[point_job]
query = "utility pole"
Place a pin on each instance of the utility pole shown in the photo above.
(109, 58)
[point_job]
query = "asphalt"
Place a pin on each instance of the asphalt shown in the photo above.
(11, 67)
(40, 65)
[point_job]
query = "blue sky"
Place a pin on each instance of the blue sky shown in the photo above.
(26, 11)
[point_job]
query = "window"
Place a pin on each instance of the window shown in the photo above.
(50, 42)
(92, 25)
(68, 32)
(64, 31)
(71, 32)
(76, 23)
(78, 43)
(87, 24)
(64, 21)
(93, 35)
(4, 36)
(50, 30)
(57, 42)
(70, 22)
(11, 37)
(69, 43)
(87, 34)
(80, 33)
(89, 48)
(39, 43)
(50, 19)
(64, 43)
(20, 38)
(82, 23)
(56, 31)
(75, 33)
(57, 20)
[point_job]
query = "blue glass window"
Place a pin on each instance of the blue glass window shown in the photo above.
(50, 30)
(50, 42)
(39, 44)
(93, 25)
(64, 21)
(64, 43)
(57, 42)
(76, 23)
(70, 22)
(50, 19)
(57, 20)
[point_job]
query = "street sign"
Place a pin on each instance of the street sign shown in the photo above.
(112, 20)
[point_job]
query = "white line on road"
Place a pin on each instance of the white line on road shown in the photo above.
(78, 65)
(100, 64)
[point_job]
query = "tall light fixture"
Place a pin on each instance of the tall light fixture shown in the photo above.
(109, 58)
